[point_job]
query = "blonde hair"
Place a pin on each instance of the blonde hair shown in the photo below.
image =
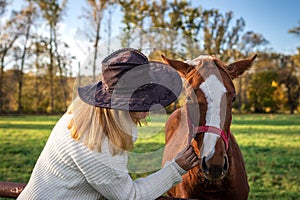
(91, 125)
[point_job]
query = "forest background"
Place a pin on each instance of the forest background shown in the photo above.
(39, 69)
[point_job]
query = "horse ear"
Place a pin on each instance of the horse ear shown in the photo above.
(239, 67)
(181, 67)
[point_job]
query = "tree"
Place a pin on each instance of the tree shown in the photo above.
(292, 78)
(171, 22)
(261, 91)
(181, 18)
(52, 11)
(250, 42)
(39, 49)
(289, 77)
(25, 19)
(135, 16)
(295, 30)
(10, 90)
(219, 36)
(8, 36)
(94, 14)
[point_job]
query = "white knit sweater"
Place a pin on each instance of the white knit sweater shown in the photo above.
(67, 169)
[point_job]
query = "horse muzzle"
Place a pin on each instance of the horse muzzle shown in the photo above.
(214, 171)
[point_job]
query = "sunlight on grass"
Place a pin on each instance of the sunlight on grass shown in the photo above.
(270, 145)
(22, 140)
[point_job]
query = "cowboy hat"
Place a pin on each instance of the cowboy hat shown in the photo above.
(130, 82)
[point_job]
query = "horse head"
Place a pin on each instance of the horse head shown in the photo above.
(210, 91)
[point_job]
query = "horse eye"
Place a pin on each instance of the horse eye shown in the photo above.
(233, 100)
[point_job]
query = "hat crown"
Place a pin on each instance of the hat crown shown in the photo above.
(127, 56)
(121, 62)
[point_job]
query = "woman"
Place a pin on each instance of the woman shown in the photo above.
(86, 154)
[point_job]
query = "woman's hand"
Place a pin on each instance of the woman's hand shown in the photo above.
(187, 158)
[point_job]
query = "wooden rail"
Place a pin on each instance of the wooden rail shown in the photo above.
(12, 190)
(172, 198)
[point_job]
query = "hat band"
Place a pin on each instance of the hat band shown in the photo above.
(123, 90)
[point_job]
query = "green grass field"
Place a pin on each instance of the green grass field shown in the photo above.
(270, 145)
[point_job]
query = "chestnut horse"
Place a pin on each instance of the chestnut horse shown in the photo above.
(204, 122)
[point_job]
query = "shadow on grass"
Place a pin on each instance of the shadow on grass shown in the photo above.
(28, 126)
(256, 119)
(265, 131)
(22, 118)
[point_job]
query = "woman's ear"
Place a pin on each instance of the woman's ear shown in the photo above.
(181, 67)
(239, 67)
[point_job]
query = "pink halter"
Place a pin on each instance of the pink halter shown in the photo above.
(194, 130)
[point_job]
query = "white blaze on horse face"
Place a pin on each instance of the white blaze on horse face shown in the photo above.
(214, 90)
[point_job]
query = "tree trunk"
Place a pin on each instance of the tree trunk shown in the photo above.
(3, 53)
(239, 95)
(60, 67)
(97, 38)
(51, 69)
(1, 83)
(20, 107)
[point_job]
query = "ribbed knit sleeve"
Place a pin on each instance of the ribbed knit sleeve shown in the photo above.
(121, 186)
(109, 176)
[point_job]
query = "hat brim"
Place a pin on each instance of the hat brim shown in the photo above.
(164, 88)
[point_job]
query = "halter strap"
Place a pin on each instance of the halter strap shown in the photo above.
(194, 130)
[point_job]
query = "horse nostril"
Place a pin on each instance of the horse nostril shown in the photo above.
(204, 166)
(226, 164)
